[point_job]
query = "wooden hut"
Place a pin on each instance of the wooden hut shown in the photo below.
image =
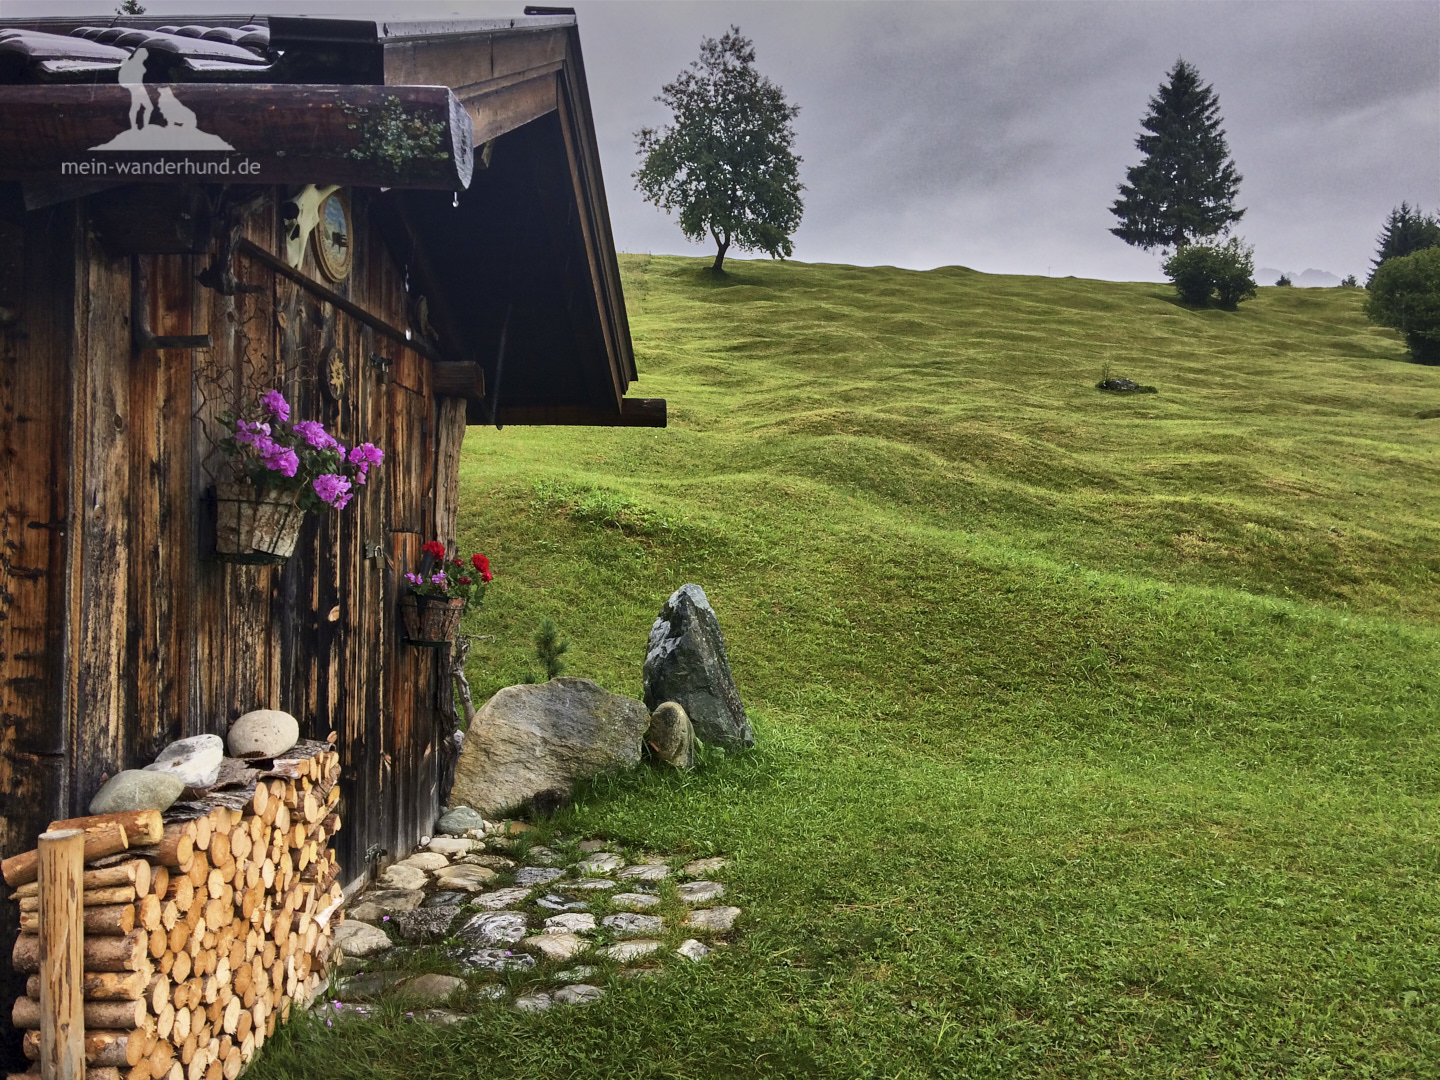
(154, 275)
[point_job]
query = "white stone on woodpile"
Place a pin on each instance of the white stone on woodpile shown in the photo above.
(670, 736)
(629, 950)
(700, 892)
(194, 761)
(360, 939)
(579, 994)
(136, 789)
(403, 877)
(701, 867)
(543, 738)
(464, 876)
(453, 845)
(536, 1002)
(458, 820)
(634, 901)
(629, 925)
(685, 662)
(432, 989)
(715, 918)
(644, 872)
(426, 860)
(693, 950)
(572, 923)
(500, 898)
(263, 733)
(377, 903)
(494, 928)
(600, 863)
(537, 875)
(558, 947)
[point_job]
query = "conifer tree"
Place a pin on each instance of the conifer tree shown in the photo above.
(1184, 189)
(1405, 232)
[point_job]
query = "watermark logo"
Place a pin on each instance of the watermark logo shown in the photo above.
(176, 128)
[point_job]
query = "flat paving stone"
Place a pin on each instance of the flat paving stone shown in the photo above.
(579, 973)
(630, 950)
(591, 883)
(445, 899)
(634, 901)
(466, 877)
(538, 1002)
(700, 892)
(347, 1010)
(599, 863)
(400, 876)
(368, 984)
(537, 875)
(588, 847)
(544, 856)
(701, 867)
(632, 925)
(556, 902)
(423, 926)
(429, 861)
(572, 923)
(715, 918)
(493, 992)
(560, 946)
(377, 903)
(500, 898)
(578, 994)
(440, 1017)
(451, 846)
(432, 989)
(494, 960)
(494, 928)
(492, 862)
(693, 950)
(360, 939)
(644, 872)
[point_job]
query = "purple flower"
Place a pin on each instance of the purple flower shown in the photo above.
(251, 434)
(275, 404)
(415, 579)
(362, 457)
(279, 459)
(314, 433)
(332, 488)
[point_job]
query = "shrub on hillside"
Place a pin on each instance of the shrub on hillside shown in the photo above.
(1405, 296)
(1224, 272)
(1284, 281)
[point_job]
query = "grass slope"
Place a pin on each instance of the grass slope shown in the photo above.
(1097, 734)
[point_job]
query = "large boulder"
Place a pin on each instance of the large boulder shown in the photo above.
(537, 739)
(686, 663)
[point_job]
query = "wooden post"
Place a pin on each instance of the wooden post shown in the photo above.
(62, 972)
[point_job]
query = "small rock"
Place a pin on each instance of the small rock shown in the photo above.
(425, 841)
(425, 925)
(467, 877)
(700, 892)
(263, 733)
(599, 863)
(403, 877)
(701, 867)
(556, 902)
(425, 860)
(453, 845)
(558, 947)
(588, 846)
(494, 960)
(579, 994)
(630, 950)
(360, 939)
(570, 924)
(444, 899)
(490, 862)
(644, 872)
(536, 875)
(345, 1010)
(370, 984)
(630, 925)
(515, 828)
(543, 856)
(136, 789)
(591, 883)
(494, 928)
(458, 819)
(537, 1002)
(670, 736)
(377, 903)
(693, 950)
(443, 1017)
(195, 761)
(493, 992)
(579, 973)
(715, 918)
(433, 989)
(500, 898)
(634, 901)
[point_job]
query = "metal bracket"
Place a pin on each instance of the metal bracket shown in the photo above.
(140, 333)
(382, 365)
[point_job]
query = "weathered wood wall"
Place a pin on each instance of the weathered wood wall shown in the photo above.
(118, 633)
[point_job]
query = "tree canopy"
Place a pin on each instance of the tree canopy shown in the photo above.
(1405, 232)
(726, 163)
(1184, 189)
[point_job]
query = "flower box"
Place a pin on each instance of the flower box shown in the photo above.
(253, 527)
(431, 620)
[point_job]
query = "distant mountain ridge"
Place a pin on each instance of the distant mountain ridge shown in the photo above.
(1310, 279)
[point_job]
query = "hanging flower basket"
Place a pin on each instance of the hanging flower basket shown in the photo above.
(431, 620)
(253, 527)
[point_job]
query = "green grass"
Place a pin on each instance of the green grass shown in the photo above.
(1097, 734)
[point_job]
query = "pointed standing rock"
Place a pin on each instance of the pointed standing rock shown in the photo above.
(686, 663)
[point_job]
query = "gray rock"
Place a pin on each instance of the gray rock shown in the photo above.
(194, 761)
(579, 994)
(579, 973)
(715, 918)
(443, 1017)
(490, 862)
(494, 960)
(136, 789)
(670, 736)
(559, 947)
(467, 877)
(589, 846)
(701, 867)
(572, 923)
(494, 928)
(542, 738)
(634, 901)
(423, 926)
(644, 872)
(626, 951)
(700, 892)
(445, 899)
(360, 939)
(425, 860)
(433, 989)
(693, 950)
(263, 733)
(403, 877)
(630, 925)
(345, 1010)
(600, 863)
(493, 992)
(686, 663)
(500, 898)
(378, 903)
(457, 820)
(591, 883)
(556, 902)
(543, 856)
(537, 875)
(535, 1002)
(368, 985)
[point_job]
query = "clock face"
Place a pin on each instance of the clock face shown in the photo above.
(332, 237)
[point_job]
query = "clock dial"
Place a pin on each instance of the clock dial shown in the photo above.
(333, 248)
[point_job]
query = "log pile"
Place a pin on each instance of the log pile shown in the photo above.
(203, 926)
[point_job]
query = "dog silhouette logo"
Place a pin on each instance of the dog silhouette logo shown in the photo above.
(162, 124)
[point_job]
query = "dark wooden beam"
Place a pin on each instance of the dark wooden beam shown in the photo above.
(365, 136)
(634, 412)
(463, 380)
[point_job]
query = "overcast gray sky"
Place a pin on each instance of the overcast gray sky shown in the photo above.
(993, 135)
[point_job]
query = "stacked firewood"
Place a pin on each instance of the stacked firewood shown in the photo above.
(203, 926)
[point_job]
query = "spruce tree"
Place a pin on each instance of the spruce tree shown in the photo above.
(1184, 189)
(1405, 232)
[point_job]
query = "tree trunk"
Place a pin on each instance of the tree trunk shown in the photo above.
(724, 245)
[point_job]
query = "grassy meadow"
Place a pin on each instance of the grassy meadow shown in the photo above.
(1097, 734)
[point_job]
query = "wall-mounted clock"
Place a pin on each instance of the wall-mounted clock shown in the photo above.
(334, 237)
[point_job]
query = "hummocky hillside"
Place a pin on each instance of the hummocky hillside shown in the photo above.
(1097, 733)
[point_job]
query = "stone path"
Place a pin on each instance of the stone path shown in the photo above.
(535, 926)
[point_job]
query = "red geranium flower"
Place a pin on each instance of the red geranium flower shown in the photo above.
(481, 563)
(434, 547)
(463, 580)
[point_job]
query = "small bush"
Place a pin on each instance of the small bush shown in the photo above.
(1224, 272)
(1405, 296)
(1349, 282)
(1284, 281)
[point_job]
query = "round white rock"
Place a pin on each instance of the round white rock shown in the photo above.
(263, 733)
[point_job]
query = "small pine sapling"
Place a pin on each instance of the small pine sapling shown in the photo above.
(549, 648)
